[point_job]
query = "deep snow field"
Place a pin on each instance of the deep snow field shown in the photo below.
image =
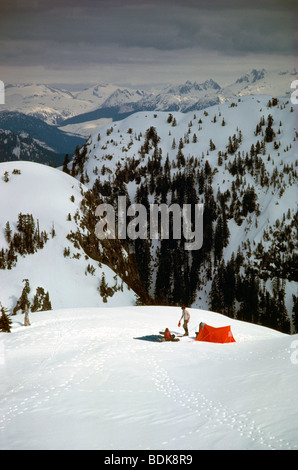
(80, 379)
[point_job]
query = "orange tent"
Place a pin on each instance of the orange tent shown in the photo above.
(215, 335)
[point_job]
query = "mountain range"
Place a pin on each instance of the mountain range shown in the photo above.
(58, 120)
(63, 107)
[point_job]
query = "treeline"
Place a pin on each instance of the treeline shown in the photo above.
(27, 239)
(163, 271)
(41, 302)
(241, 293)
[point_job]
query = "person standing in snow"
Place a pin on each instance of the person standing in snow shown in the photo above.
(186, 317)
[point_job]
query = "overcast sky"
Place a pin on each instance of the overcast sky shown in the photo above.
(144, 41)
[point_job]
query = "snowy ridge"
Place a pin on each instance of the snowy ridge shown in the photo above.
(81, 379)
(47, 194)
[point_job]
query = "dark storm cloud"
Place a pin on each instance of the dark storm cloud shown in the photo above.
(56, 33)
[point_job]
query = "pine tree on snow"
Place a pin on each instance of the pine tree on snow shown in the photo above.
(41, 301)
(23, 300)
(5, 321)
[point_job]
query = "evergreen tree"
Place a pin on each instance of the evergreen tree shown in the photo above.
(5, 320)
(170, 118)
(295, 313)
(248, 295)
(142, 246)
(2, 259)
(23, 300)
(230, 146)
(281, 320)
(249, 201)
(211, 145)
(11, 257)
(217, 303)
(266, 309)
(41, 301)
(104, 290)
(218, 240)
(46, 304)
(269, 132)
(180, 159)
(229, 287)
(209, 215)
(8, 232)
(65, 164)
(164, 274)
(167, 173)
(37, 300)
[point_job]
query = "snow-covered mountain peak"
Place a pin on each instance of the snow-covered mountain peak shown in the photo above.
(193, 87)
(211, 84)
(123, 96)
(252, 76)
(259, 82)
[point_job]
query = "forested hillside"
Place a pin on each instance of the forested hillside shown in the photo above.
(238, 159)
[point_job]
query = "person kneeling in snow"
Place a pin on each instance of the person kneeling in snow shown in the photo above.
(167, 336)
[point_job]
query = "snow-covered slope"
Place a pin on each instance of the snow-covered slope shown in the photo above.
(271, 171)
(86, 128)
(83, 379)
(115, 142)
(47, 194)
